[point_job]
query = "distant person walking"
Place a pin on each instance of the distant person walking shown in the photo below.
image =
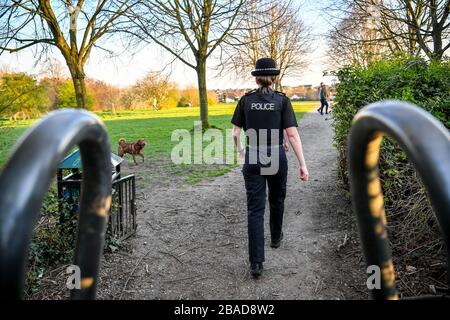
(323, 96)
(155, 104)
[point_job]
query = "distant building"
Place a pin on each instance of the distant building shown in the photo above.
(229, 95)
(306, 92)
(298, 97)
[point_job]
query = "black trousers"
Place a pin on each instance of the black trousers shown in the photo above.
(323, 103)
(255, 185)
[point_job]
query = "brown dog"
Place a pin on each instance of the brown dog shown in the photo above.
(135, 149)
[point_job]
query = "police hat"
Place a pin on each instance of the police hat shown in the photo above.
(265, 67)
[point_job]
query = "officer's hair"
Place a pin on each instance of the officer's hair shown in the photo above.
(265, 82)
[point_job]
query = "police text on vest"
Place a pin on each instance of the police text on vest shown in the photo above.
(262, 106)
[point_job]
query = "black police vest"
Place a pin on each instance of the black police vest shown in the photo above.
(263, 118)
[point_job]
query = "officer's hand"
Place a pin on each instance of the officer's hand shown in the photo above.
(241, 156)
(304, 174)
(286, 146)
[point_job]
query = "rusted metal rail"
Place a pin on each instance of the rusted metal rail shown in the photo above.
(427, 144)
(24, 181)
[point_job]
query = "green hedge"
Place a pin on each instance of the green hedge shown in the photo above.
(410, 79)
(412, 226)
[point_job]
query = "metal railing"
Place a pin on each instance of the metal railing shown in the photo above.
(26, 176)
(427, 144)
(122, 220)
(24, 181)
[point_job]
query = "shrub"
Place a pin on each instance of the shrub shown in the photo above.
(410, 79)
(67, 98)
(190, 97)
(413, 230)
(53, 243)
(21, 96)
(184, 102)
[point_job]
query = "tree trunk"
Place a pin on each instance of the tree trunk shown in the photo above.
(436, 32)
(79, 84)
(202, 92)
(278, 85)
(438, 52)
(80, 91)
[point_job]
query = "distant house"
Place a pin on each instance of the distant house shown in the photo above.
(306, 92)
(298, 97)
(228, 95)
(231, 97)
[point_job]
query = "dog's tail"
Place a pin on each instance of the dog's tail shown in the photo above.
(122, 140)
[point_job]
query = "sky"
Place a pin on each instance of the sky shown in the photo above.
(126, 68)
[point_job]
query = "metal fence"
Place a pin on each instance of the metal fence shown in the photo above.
(122, 219)
(25, 179)
(427, 143)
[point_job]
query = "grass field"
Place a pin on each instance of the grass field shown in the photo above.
(155, 127)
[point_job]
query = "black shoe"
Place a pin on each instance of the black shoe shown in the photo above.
(256, 269)
(276, 243)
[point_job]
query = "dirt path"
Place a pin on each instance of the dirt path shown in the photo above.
(191, 241)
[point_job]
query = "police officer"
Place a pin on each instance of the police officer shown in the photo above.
(269, 122)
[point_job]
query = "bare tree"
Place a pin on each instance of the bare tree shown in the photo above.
(153, 88)
(73, 27)
(425, 22)
(52, 75)
(190, 30)
(414, 26)
(53, 69)
(275, 31)
(354, 42)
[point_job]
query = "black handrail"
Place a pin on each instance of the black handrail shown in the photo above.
(427, 144)
(25, 179)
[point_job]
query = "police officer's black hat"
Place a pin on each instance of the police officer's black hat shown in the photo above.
(265, 67)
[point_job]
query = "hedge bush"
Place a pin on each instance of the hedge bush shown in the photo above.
(414, 233)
